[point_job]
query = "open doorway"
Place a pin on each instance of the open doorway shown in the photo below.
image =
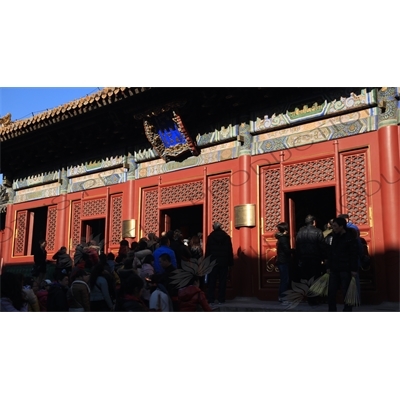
(318, 202)
(94, 229)
(189, 220)
(37, 223)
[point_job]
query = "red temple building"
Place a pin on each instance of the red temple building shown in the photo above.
(124, 162)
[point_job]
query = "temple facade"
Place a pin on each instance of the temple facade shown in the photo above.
(125, 162)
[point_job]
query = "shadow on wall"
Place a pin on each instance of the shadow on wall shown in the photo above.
(251, 277)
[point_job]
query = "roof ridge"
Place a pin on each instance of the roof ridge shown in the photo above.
(49, 110)
(98, 96)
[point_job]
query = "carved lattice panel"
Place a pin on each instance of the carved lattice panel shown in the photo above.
(116, 219)
(51, 229)
(272, 199)
(150, 221)
(192, 191)
(309, 172)
(93, 208)
(220, 199)
(21, 233)
(271, 211)
(355, 195)
(76, 223)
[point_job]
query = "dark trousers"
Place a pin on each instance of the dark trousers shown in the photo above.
(219, 274)
(310, 267)
(338, 279)
(99, 305)
(284, 278)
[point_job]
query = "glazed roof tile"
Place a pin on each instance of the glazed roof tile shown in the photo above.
(98, 99)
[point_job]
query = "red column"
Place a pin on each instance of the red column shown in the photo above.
(388, 137)
(62, 216)
(7, 236)
(242, 181)
(390, 194)
(129, 201)
(128, 209)
(63, 209)
(242, 249)
(244, 186)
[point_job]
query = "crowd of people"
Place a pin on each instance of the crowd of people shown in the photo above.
(338, 250)
(139, 277)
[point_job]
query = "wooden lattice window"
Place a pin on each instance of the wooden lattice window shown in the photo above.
(272, 198)
(76, 223)
(186, 192)
(93, 208)
(21, 233)
(51, 229)
(150, 221)
(309, 172)
(355, 191)
(220, 199)
(116, 219)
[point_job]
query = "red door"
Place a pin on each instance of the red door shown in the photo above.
(292, 223)
(167, 223)
(87, 231)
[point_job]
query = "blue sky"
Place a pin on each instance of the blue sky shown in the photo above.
(22, 102)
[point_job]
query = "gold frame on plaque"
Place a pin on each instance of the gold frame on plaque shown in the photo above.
(129, 228)
(245, 215)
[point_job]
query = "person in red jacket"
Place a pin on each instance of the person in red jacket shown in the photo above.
(191, 298)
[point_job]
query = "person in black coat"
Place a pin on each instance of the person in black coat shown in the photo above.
(176, 244)
(284, 253)
(310, 250)
(40, 260)
(219, 247)
(342, 261)
(127, 271)
(130, 299)
(57, 296)
(63, 260)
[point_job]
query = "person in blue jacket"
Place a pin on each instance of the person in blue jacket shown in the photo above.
(163, 249)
